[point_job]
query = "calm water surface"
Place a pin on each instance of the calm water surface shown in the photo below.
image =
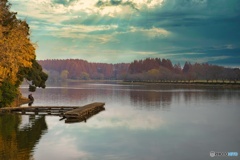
(140, 123)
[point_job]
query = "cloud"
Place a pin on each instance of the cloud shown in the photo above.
(134, 4)
(113, 3)
(111, 119)
(60, 10)
(64, 2)
(71, 150)
(204, 59)
(152, 32)
(114, 8)
(131, 27)
(132, 121)
(74, 31)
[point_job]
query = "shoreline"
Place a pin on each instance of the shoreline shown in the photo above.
(187, 84)
(20, 101)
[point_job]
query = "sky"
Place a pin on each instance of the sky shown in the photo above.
(116, 31)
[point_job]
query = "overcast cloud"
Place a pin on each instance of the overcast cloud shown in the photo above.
(116, 31)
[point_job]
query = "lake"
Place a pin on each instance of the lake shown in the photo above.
(141, 122)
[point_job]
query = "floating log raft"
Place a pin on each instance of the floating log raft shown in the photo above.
(71, 113)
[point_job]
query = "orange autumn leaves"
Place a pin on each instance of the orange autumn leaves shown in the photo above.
(16, 49)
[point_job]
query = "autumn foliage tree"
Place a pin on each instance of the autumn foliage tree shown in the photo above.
(17, 55)
(15, 46)
(149, 69)
(163, 70)
(62, 69)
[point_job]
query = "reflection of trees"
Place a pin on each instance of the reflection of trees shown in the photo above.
(18, 144)
(211, 94)
(151, 98)
(74, 93)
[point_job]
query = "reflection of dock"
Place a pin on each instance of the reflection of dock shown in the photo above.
(72, 113)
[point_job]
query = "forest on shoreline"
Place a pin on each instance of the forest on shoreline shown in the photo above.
(149, 69)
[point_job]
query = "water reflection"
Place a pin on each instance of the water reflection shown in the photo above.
(145, 97)
(137, 126)
(213, 95)
(164, 99)
(151, 99)
(18, 141)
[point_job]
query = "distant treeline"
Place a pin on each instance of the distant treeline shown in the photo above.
(164, 70)
(83, 70)
(138, 70)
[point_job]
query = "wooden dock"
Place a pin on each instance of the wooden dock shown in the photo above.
(83, 113)
(71, 113)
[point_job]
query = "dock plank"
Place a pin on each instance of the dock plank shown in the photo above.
(87, 109)
(71, 113)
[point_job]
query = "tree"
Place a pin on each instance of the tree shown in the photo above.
(17, 55)
(34, 75)
(64, 75)
(188, 71)
(84, 76)
(177, 68)
(15, 46)
(153, 74)
(8, 92)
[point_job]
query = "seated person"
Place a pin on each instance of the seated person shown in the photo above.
(30, 97)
